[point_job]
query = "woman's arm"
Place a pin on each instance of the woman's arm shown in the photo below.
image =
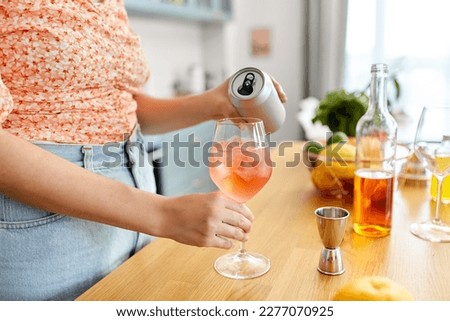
(162, 115)
(41, 179)
(157, 115)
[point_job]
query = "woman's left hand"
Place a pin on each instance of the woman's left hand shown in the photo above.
(279, 89)
(220, 104)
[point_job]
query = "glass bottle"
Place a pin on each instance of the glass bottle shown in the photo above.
(376, 143)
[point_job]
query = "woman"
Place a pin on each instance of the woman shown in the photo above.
(70, 77)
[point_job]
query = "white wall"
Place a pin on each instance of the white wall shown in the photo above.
(171, 47)
(284, 18)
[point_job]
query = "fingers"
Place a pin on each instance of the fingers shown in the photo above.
(236, 221)
(211, 219)
(242, 214)
(222, 242)
(229, 232)
(281, 94)
(233, 113)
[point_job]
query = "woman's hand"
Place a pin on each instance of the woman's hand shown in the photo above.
(209, 219)
(279, 89)
(219, 103)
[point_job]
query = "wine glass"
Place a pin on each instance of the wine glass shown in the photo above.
(432, 147)
(240, 166)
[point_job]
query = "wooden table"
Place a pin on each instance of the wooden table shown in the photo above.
(285, 231)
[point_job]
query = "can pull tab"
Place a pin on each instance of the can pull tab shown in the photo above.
(247, 86)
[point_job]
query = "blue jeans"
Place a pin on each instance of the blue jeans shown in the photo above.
(49, 256)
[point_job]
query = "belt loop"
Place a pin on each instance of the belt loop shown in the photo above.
(129, 153)
(88, 152)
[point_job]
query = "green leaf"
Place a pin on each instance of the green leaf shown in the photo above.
(341, 110)
(397, 88)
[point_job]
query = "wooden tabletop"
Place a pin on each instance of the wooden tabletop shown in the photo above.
(285, 231)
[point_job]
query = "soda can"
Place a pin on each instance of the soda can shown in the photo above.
(253, 94)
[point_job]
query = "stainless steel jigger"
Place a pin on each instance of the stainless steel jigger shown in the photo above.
(331, 223)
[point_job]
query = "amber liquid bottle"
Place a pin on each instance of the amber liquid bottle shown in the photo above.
(376, 142)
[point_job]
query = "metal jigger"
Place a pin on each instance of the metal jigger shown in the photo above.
(331, 223)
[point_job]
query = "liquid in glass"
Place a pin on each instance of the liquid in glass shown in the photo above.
(240, 172)
(445, 189)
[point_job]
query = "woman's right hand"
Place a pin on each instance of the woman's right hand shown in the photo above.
(209, 219)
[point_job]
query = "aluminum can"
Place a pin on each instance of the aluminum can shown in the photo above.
(253, 94)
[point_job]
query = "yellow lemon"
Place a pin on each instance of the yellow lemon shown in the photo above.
(373, 288)
(324, 179)
(340, 158)
(341, 150)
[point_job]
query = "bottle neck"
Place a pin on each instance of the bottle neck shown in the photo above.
(378, 97)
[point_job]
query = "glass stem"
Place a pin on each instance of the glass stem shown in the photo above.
(242, 249)
(437, 216)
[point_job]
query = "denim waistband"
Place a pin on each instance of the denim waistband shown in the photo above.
(107, 155)
(130, 154)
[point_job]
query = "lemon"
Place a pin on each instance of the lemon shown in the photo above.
(373, 288)
(339, 151)
(324, 179)
(340, 158)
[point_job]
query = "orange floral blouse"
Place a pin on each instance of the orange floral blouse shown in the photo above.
(68, 70)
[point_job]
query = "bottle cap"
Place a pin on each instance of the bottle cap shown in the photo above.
(379, 67)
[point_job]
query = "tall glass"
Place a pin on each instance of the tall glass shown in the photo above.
(432, 146)
(240, 166)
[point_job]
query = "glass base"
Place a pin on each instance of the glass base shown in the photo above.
(242, 266)
(432, 232)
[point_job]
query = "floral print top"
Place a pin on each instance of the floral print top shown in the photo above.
(68, 70)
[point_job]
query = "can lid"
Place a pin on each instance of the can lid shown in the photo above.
(247, 83)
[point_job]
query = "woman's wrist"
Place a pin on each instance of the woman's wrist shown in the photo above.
(218, 103)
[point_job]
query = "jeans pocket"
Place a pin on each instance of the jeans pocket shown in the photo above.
(17, 215)
(141, 166)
